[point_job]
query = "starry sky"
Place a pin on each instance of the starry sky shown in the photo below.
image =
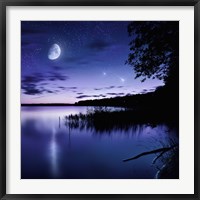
(69, 61)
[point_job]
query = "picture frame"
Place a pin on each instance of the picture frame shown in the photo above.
(3, 100)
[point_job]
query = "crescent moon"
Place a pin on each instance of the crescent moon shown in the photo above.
(54, 52)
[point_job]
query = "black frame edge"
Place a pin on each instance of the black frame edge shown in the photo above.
(99, 196)
(3, 100)
(100, 2)
(4, 3)
(196, 97)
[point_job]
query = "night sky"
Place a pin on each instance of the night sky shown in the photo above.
(69, 61)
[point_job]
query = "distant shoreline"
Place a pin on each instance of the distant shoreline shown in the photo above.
(71, 105)
(51, 104)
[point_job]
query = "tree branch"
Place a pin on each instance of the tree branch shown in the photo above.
(163, 150)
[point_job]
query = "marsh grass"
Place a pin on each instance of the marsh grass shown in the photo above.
(103, 119)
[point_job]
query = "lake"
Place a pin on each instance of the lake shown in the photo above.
(50, 149)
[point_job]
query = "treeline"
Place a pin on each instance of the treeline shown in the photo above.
(163, 98)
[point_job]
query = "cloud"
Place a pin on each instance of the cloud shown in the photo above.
(54, 76)
(98, 88)
(31, 84)
(31, 89)
(109, 87)
(71, 88)
(63, 88)
(98, 45)
(100, 95)
(34, 89)
(144, 91)
(90, 96)
(152, 90)
(83, 96)
(49, 91)
(36, 78)
(120, 86)
(67, 88)
(44, 84)
(115, 94)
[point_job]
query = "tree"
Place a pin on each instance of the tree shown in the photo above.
(154, 50)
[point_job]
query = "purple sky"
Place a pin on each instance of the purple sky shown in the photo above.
(91, 64)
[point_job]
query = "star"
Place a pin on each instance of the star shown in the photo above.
(122, 79)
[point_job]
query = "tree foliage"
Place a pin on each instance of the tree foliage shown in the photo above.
(154, 50)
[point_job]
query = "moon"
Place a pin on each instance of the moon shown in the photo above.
(54, 52)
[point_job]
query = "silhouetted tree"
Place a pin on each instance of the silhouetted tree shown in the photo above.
(154, 50)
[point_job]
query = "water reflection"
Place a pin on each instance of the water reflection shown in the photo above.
(51, 148)
(53, 154)
(69, 138)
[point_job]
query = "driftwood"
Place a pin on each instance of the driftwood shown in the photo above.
(162, 150)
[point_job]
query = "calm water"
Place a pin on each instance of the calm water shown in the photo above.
(51, 150)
